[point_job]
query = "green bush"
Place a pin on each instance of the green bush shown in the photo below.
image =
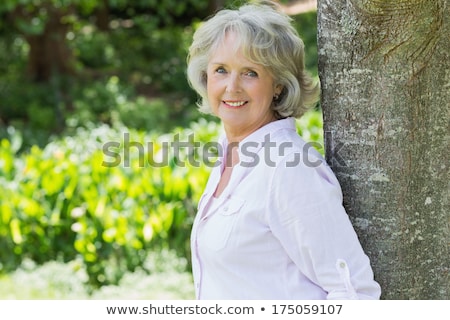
(67, 199)
(107, 196)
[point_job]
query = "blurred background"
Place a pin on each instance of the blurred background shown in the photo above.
(76, 75)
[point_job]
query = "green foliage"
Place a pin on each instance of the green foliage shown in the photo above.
(310, 127)
(70, 199)
(306, 25)
(142, 47)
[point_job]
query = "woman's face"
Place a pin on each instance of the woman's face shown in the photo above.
(240, 92)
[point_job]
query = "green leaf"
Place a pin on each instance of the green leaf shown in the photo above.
(15, 231)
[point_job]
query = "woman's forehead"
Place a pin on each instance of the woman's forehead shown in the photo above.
(232, 42)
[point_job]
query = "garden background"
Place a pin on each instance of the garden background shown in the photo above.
(77, 76)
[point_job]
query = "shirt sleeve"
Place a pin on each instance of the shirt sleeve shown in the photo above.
(306, 214)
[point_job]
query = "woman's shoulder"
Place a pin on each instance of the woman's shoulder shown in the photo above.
(288, 145)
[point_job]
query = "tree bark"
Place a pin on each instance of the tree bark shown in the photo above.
(384, 68)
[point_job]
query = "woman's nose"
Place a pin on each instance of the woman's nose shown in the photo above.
(233, 84)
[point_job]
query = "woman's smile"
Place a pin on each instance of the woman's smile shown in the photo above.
(234, 104)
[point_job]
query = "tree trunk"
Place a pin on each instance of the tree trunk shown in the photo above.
(215, 5)
(49, 53)
(385, 73)
(102, 18)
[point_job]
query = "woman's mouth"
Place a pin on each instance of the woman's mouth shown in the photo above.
(234, 104)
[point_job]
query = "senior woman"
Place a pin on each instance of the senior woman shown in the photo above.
(270, 224)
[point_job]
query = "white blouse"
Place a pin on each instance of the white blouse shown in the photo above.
(278, 230)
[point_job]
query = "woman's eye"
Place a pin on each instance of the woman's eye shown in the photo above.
(220, 70)
(252, 74)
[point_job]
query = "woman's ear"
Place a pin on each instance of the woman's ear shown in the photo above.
(278, 89)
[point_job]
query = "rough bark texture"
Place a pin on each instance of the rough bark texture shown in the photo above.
(385, 73)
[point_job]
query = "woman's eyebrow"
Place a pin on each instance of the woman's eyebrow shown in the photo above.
(252, 67)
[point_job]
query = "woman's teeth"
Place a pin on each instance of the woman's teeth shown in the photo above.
(235, 104)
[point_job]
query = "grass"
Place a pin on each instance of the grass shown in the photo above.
(56, 280)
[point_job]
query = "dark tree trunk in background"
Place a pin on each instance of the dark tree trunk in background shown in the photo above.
(49, 53)
(215, 5)
(385, 73)
(102, 16)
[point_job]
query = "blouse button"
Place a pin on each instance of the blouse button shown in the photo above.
(342, 265)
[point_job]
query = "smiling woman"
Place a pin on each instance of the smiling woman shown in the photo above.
(278, 50)
(270, 223)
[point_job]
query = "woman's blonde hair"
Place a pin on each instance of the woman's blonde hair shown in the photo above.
(268, 38)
